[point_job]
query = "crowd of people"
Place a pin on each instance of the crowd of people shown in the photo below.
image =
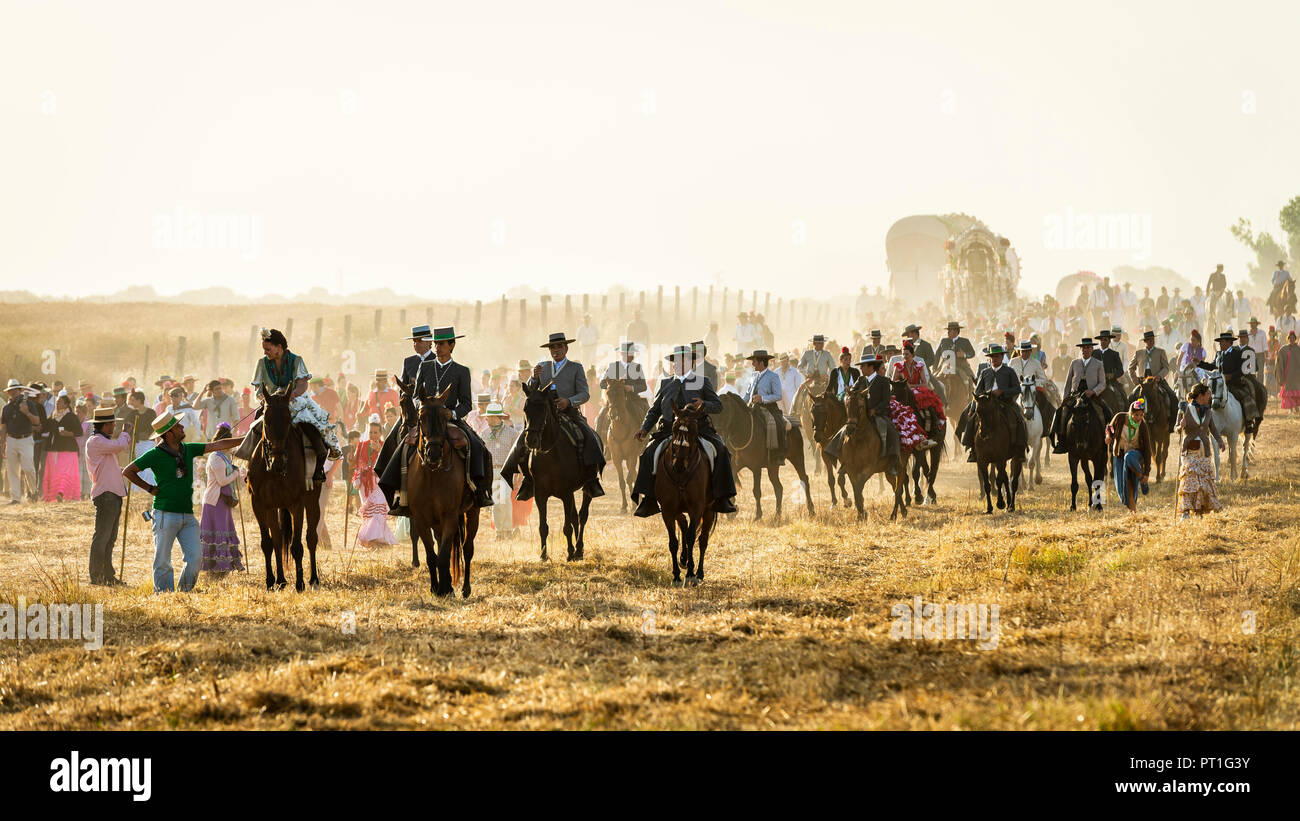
(65, 444)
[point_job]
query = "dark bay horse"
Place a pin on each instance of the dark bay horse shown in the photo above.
(925, 463)
(994, 447)
(1159, 424)
(828, 416)
(682, 481)
(277, 486)
(622, 449)
(555, 463)
(862, 455)
(748, 443)
(1085, 440)
(440, 497)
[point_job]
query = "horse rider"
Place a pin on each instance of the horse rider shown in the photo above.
(1257, 385)
(879, 391)
(1112, 363)
(568, 380)
(278, 369)
(1027, 365)
(1228, 361)
(961, 347)
(816, 362)
(876, 347)
(924, 350)
(764, 391)
(623, 376)
(1000, 380)
(1087, 376)
(1151, 360)
(422, 341)
(1214, 288)
(843, 378)
(686, 387)
(703, 366)
(436, 374)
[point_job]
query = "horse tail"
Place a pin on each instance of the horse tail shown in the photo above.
(286, 528)
(458, 551)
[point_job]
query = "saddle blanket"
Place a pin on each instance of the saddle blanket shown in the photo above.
(705, 445)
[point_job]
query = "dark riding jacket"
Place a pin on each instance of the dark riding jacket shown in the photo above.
(1004, 377)
(675, 390)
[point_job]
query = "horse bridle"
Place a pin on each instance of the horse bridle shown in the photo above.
(272, 449)
(429, 458)
(545, 443)
(691, 443)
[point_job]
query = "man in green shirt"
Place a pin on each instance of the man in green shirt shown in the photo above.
(171, 461)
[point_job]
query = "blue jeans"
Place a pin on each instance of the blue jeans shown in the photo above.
(167, 528)
(1131, 460)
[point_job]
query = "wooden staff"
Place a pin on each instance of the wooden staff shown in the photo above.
(242, 530)
(126, 513)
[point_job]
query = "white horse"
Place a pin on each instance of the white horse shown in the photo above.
(1229, 420)
(1034, 422)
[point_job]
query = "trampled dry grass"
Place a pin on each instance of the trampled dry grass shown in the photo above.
(1107, 622)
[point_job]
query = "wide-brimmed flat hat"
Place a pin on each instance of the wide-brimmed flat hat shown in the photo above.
(445, 334)
(681, 352)
(1148, 334)
(381, 373)
(624, 347)
(103, 414)
(557, 339)
(760, 353)
(869, 358)
(953, 325)
(120, 391)
(164, 379)
(1226, 336)
(14, 385)
(189, 377)
(819, 338)
(1243, 333)
(165, 423)
(1105, 333)
(876, 334)
(995, 349)
(420, 332)
(482, 397)
(1253, 320)
(494, 409)
(1026, 345)
(912, 329)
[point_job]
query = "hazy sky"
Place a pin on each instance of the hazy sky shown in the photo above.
(463, 148)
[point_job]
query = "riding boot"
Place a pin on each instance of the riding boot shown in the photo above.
(526, 482)
(592, 486)
(725, 505)
(318, 445)
(647, 507)
(1058, 438)
(968, 441)
(483, 483)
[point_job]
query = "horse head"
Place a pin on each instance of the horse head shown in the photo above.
(433, 416)
(1028, 396)
(407, 402)
(855, 408)
(684, 442)
(818, 411)
(539, 409)
(277, 424)
(1218, 389)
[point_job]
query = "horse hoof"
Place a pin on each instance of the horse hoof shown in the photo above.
(1038, 480)
(299, 587)
(1001, 504)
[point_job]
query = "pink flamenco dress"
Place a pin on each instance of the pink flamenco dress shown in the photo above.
(374, 530)
(909, 432)
(918, 379)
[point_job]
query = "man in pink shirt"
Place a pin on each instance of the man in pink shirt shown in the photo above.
(106, 492)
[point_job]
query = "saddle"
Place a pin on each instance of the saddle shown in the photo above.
(252, 449)
(705, 445)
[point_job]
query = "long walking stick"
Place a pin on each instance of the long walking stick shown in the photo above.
(126, 513)
(242, 530)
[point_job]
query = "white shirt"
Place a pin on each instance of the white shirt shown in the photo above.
(587, 335)
(1259, 341)
(1280, 275)
(1285, 325)
(791, 379)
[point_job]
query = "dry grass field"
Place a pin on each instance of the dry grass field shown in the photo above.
(1107, 621)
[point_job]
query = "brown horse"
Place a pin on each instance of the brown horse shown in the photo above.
(994, 447)
(555, 464)
(748, 443)
(863, 454)
(958, 387)
(440, 497)
(682, 481)
(277, 486)
(1158, 423)
(623, 419)
(1085, 442)
(925, 463)
(802, 409)
(828, 416)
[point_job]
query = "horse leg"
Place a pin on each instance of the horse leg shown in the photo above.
(1074, 482)
(423, 531)
(931, 474)
(758, 492)
(582, 522)
(1001, 482)
(688, 546)
(620, 467)
(858, 483)
(706, 527)
(570, 523)
(450, 532)
(282, 536)
(471, 530)
(313, 521)
(844, 488)
(542, 527)
(774, 476)
(830, 476)
(670, 524)
(1246, 441)
(986, 480)
(268, 546)
(1013, 487)
(415, 549)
